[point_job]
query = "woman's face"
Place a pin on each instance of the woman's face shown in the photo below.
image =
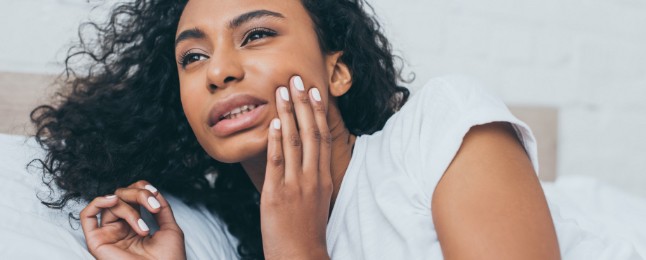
(232, 56)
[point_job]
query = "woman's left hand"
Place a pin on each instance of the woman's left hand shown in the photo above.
(122, 234)
(296, 194)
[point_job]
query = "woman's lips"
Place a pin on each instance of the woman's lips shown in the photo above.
(243, 121)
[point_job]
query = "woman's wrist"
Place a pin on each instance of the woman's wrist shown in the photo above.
(309, 253)
(319, 253)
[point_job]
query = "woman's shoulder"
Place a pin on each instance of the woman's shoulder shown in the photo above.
(425, 135)
(444, 105)
(456, 91)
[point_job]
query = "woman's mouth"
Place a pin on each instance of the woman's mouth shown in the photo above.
(235, 114)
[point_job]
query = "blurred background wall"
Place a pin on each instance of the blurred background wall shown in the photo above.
(587, 58)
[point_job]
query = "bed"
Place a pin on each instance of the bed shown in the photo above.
(585, 210)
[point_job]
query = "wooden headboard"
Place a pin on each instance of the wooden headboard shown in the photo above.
(23, 92)
(20, 94)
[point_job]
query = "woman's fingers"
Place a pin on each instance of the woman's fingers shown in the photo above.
(291, 144)
(142, 191)
(303, 125)
(123, 210)
(325, 144)
(139, 196)
(88, 216)
(113, 210)
(307, 128)
(142, 184)
(275, 172)
(165, 218)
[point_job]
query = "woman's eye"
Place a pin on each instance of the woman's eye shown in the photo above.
(257, 34)
(190, 58)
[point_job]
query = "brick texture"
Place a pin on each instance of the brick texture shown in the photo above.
(584, 57)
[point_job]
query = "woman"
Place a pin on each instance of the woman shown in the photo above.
(291, 103)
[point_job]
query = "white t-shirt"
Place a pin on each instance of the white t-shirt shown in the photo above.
(383, 209)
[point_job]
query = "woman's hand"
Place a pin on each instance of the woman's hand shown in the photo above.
(122, 234)
(295, 200)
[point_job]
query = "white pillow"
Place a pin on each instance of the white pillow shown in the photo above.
(30, 230)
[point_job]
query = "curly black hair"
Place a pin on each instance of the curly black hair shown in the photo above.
(118, 118)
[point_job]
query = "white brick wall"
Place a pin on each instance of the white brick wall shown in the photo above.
(35, 34)
(586, 57)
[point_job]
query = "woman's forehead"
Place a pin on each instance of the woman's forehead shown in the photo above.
(220, 13)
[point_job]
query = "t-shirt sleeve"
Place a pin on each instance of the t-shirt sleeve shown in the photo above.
(435, 120)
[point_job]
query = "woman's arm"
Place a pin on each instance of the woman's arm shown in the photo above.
(489, 204)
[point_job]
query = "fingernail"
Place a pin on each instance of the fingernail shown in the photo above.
(151, 188)
(316, 95)
(153, 202)
(110, 196)
(298, 83)
(142, 225)
(284, 93)
(276, 123)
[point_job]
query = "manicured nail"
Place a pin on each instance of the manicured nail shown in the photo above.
(151, 188)
(284, 93)
(276, 123)
(110, 196)
(153, 202)
(316, 95)
(142, 225)
(298, 83)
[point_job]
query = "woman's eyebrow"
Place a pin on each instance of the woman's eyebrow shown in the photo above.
(193, 33)
(243, 18)
(196, 33)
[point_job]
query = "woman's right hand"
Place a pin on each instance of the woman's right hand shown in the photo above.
(122, 234)
(296, 194)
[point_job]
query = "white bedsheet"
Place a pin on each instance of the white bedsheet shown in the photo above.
(29, 230)
(593, 220)
(596, 221)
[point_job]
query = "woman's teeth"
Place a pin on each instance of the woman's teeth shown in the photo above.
(236, 112)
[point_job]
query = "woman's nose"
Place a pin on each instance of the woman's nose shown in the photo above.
(224, 69)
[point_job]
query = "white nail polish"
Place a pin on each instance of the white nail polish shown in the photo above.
(284, 93)
(276, 123)
(110, 196)
(316, 95)
(298, 83)
(151, 188)
(153, 202)
(142, 225)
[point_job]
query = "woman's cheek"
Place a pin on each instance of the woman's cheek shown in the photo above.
(280, 65)
(187, 106)
(193, 106)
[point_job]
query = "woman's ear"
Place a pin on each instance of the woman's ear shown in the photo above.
(340, 74)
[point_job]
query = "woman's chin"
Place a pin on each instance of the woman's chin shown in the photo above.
(233, 154)
(237, 149)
